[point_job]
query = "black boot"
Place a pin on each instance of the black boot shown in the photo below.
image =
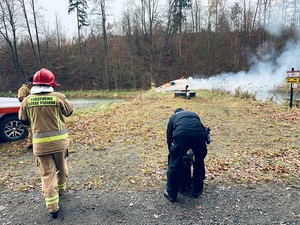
(166, 194)
(198, 194)
(54, 214)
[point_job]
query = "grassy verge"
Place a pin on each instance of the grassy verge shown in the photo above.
(124, 94)
(102, 94)
(251, 141)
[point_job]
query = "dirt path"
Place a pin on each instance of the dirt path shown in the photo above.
(118, 160)
(99, 194)
(219, 205)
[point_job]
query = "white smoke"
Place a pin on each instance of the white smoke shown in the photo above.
(265, 75)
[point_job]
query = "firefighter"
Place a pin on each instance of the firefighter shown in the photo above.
(45, 110)
(185, 131)
(23, 92)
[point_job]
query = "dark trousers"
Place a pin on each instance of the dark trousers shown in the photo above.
(185, 182)
(181, 144)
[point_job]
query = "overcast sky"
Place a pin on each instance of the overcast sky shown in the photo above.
(69, 21)
(114, 10)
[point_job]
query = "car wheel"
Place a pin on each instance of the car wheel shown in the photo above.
(11, 129)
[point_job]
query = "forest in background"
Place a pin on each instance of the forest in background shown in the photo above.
(152, 43)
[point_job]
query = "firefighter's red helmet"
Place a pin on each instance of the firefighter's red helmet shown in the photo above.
(44, 77)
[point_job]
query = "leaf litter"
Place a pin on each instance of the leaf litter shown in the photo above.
(123, 146)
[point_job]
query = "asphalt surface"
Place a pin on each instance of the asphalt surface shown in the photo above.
(271, 204)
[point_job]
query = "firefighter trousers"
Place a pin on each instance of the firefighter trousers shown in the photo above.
(53, 170)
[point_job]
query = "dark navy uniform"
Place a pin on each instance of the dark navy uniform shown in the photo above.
(185, 131)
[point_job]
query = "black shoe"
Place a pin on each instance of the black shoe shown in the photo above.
(166, 194)
(187, 192)
(29, 147)
(197, 195)
(54, 214)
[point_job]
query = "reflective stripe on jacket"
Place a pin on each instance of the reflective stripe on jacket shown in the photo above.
(46, 113)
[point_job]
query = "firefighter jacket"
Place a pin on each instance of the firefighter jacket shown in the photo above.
(45, 112)
(23, 92)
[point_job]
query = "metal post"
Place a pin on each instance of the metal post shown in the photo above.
(291, 97)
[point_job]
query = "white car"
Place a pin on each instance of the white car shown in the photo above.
(11, 128)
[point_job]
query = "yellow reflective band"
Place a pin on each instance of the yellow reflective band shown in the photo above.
(30, 119)
(62, 186)
(59, 122)
(50, 134)
(41, 101)
(52, 200)
(49, 139)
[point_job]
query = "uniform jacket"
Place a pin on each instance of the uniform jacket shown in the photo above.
(45, 112)
(23, 92)
(181, 122)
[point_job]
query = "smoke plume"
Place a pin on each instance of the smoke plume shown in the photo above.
(266, 73)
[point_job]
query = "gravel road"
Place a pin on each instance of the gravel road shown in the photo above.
(270, 204)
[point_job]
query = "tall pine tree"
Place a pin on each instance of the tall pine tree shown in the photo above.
(80, 7)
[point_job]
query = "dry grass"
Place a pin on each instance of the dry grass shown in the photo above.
(252, 141)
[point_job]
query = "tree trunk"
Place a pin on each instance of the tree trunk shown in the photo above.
(9, 33)
(36, 33)
(105, 44)
(37, 64)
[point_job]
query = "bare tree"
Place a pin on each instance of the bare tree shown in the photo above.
(101, 6)
(34, 14)
(36, 56)
(169, 32)
(127, 27)
(196, 9)
(58, 31)
(149, 15)
(8, 30)
(264, 17)
(216, 9)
